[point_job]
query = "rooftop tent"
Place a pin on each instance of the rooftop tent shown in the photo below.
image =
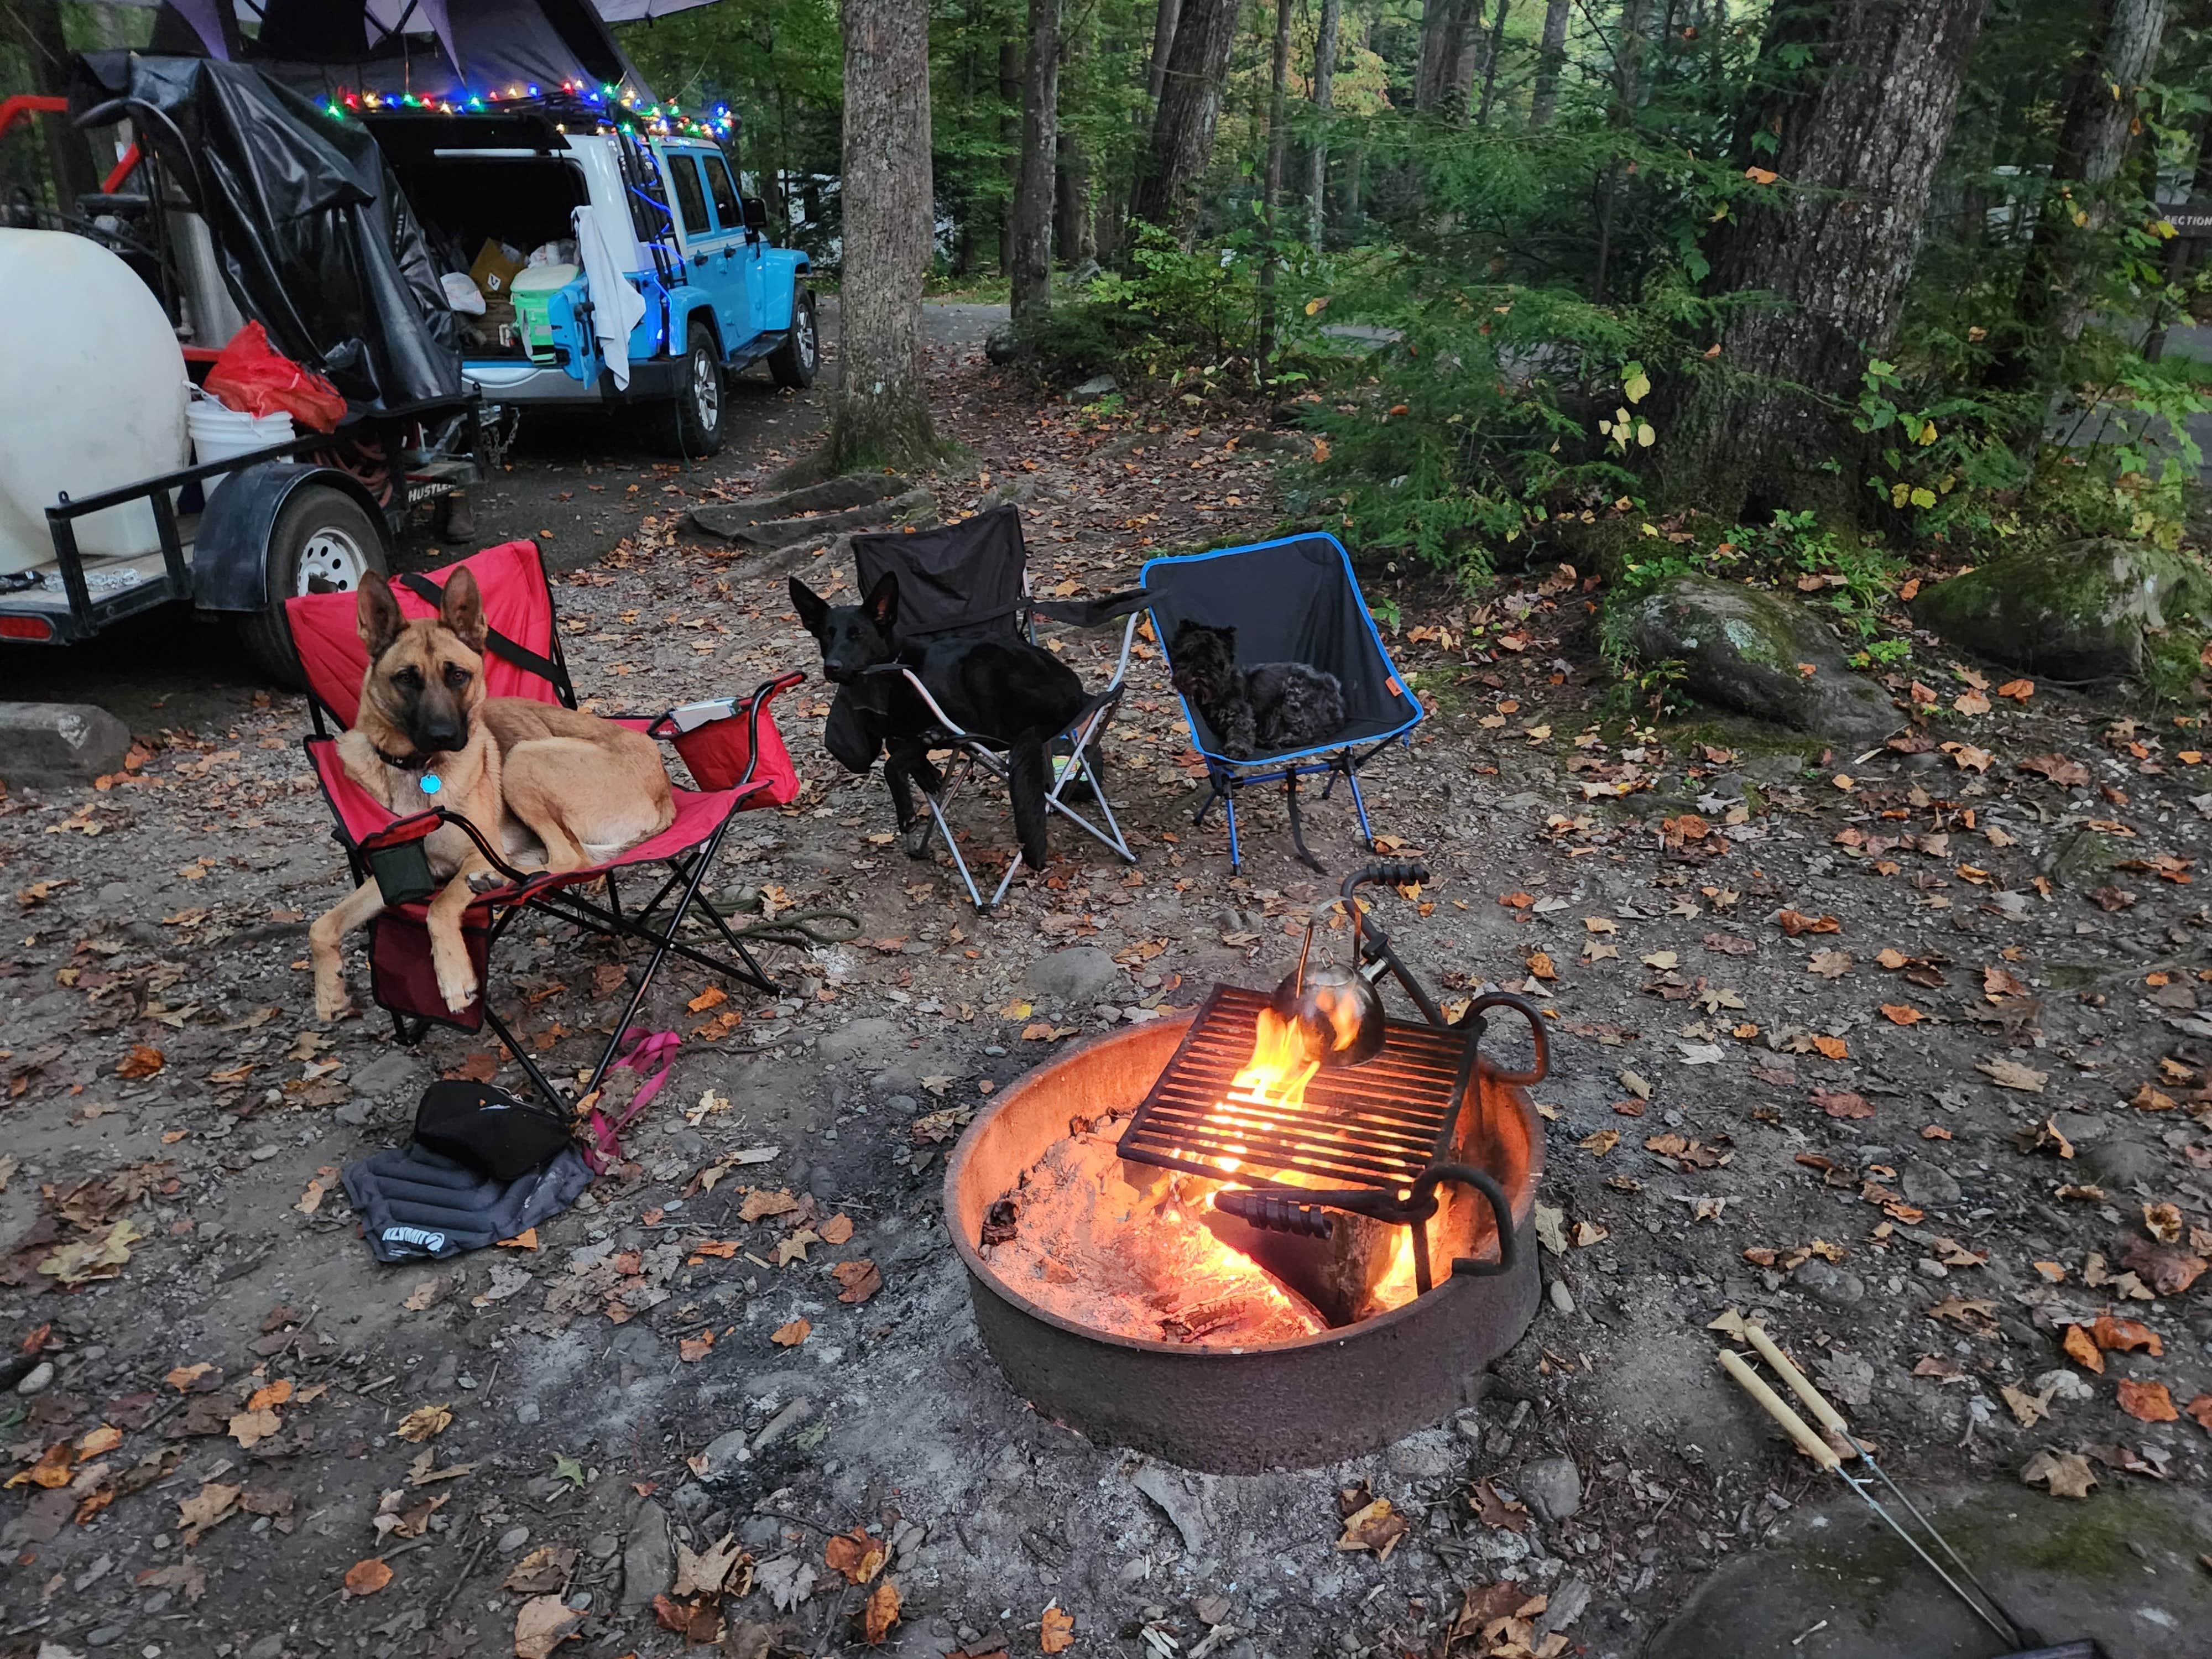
(431, 48)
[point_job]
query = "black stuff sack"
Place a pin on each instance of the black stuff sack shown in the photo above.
(487, 1129)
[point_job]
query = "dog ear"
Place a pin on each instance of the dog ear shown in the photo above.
(882, 603)
(813, 610)
(376, 615)
(461, 609)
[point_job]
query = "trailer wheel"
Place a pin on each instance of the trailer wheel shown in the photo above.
(691, 422)
(795, 361)
(323, 542)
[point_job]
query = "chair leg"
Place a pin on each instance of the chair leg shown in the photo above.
(662, 942)
(1360, 805)
(1229, 808)
(538, 1078)
(1297, 829)
(945, 834)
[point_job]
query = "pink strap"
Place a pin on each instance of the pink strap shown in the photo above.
(650, 1054)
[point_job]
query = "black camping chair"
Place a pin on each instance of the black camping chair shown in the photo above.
(970, 580)
(1292, 600)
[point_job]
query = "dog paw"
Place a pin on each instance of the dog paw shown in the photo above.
(332, 1008)
(484, 881)
(915, 838)
(458, 992)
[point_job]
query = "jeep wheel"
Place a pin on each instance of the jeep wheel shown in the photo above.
(691, 423)
(794, 362)
(323, 542)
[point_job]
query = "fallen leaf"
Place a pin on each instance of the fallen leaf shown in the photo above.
(856, 1554)
(2200, 1411)
(2068, 774)
(859, 1280)
(2146, 1402)
(423, 1423)
(881, 1612)
(1829, 964)
(692, 1349)
(188, 1379)
(836, 1230)
(1600, 1142)
(1376, 1528)
(705, 1572)
(759, 1204)
(1842, 1103)
(1794, 923)
(250, 1428)
(1055, 1631)
(367, 1576)
(542, 1624)
(1832, 1048)
(143, 1061)
(543, 1571)
(2081, 1349)
(211, 1504)
(1901, 1013)
(792, 1334)
(84, 1259)
(2067, 1474)
(2126, 1336)
(2011, 1074)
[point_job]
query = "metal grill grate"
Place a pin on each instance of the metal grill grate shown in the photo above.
(1376, 1125)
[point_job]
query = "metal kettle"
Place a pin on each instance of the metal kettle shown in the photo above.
(1335, 1012)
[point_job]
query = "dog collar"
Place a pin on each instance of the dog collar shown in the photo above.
(429, 783)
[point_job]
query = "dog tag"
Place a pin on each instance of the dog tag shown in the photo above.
(430, 783)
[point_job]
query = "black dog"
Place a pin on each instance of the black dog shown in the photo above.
(1000, 688)
(1269, 708)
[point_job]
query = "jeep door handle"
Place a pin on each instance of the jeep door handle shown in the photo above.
(699, 259)
(729, 254)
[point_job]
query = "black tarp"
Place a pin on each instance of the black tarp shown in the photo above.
(446, 48)
(317, 240)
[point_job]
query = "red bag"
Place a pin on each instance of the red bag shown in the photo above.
(249, 376)
(718, 748)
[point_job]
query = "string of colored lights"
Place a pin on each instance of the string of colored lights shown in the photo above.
(617, 106)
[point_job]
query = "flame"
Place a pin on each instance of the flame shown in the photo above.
(1274, 1080)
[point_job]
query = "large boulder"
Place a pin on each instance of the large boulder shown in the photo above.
(1747, 649)
(2076, 611)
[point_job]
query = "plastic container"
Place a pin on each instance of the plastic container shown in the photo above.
(95, 396)
(533, 291)
(220, 432)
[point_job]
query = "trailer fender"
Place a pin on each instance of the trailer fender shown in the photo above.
(230, 565)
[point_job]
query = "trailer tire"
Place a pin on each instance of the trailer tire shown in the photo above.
(690, 424)
(795, 363)
(323, 541)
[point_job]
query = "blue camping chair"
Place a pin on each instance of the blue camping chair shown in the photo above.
(1292, 600)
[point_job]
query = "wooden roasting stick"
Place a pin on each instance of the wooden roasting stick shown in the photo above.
(1798, 1430)
(1802, 1386)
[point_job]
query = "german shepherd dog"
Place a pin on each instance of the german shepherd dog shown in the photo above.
(553, 788)
(1000, 687)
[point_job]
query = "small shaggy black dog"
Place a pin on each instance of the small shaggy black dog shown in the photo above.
(1001, 688)
(1269, 708)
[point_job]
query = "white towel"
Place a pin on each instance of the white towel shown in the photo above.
(616, 307)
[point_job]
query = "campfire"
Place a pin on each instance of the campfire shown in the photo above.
(1293, 1181)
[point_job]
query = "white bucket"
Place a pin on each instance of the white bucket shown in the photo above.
(220, 432)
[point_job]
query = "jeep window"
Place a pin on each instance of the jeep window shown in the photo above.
(725, 194)
(690, 200)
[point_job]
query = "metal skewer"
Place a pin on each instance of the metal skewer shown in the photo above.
(1827, 1457)
(1833, 1419)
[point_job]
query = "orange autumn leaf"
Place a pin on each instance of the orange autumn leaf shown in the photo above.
(2018, 691)
(2082, 1351)
(143, 1060)
(791, 1335)
(1794, 922)
(692, 1349)
(2127, 1335)
(881, 1614)
(276, 1394)
(836, 1230)
(1901, 1013)
(712, 996)
(2146, 1402)
(2200, 1409)
(1833, 1048)
(1055, 1631)
(52, 1470)
(1516, 900)
(366, 1578)
(855, 1554)
(1539, 966)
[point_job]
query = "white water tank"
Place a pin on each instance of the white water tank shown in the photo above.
(95, 393)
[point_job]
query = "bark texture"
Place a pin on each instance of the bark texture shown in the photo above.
(1324, 92)
(1036, 188)
(1270, 192)
(1190, 109)
(38, 30)
(1010, 136)
(1861, 133)
(880, 414)
(1440, 75)
(1163, 34)
(1551, 55)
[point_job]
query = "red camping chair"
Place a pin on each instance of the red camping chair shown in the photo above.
(732, 746)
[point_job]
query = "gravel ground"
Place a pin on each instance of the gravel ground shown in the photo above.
(1901, 1050)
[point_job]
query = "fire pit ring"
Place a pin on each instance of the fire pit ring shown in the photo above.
(1291, 1404)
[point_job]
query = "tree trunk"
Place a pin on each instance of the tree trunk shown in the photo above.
(1444, 46)
(1324, 90)
(1010, 141)
(1270, 191)
(1035, 192)
(1551, 54)
(1163, 34)
(1861, 131)
(1189, 108)
(1491, 52)
(880, 415)
(1075, 237)
(2101, 115)
(38, 30)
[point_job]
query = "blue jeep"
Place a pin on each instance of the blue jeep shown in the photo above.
(662, 217)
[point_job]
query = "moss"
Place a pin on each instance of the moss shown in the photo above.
(1750, 644)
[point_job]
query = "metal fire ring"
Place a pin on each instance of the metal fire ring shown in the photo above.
(1293, 1405)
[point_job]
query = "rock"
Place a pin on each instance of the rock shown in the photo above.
(724, 1453)
(2084, 860)
(1078, 975)
(1552, 1486)
(2080, 1127)
(55, 745)
(2120, 1163)
(2063, 1384)
(513, 1539)
(2076, 611)
(1002, 345)
(1928, 1184)
(1567, 1603)
(1429, 1455)
(1181, 1508)
(1742, 648)
(37, 1377)
(1563, 1299)
(784, 1422)
(861, 1040)
(1832, 1284)
(648, 1557)
(1098, 385)
(270, 1646)
(394, 1072)
(529, 1412)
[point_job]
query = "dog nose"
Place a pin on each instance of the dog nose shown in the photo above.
(442, 735)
